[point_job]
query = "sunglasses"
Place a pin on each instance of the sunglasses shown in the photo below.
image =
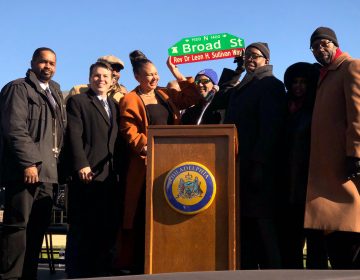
(202, 81)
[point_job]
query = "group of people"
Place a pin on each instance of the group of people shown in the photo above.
(298, 151)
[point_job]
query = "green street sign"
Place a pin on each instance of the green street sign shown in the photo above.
(214, 46)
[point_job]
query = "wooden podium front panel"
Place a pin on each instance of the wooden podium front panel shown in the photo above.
(201, 242)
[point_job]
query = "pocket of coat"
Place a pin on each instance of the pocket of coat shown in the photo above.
(37, 112)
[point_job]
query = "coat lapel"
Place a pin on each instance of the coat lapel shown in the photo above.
(333, 66)
(100, 108)
(173, 109)
(113, 111)
(113, 133)
(55, 95)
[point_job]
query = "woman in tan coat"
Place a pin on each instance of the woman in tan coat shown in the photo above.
(146, 105)
(333, 200)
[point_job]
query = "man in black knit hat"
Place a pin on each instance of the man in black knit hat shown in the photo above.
(257, 106)
(333, 200)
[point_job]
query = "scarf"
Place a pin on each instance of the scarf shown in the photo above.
(324, 70)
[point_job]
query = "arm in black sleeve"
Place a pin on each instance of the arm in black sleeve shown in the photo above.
(272, 119)
(15, 116)
(75, 130)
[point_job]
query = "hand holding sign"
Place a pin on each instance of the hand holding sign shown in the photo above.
(174, 70)
(207, 47)
(240, 61)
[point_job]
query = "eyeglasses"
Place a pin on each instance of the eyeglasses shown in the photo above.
(321, 44)
(202, 81)
(252, 56)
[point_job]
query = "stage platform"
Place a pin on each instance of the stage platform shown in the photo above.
(228, 275)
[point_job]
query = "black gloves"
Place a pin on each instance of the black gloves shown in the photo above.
(352, 167)
(239, 60)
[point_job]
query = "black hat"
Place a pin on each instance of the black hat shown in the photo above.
(262, 47)
(301, 69)
(324, 33)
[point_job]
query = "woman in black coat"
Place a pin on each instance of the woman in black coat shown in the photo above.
(300, 81)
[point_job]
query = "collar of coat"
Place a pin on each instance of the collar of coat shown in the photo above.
(334, 65)
(158, 92)
(162, 94)
(33, 80)
(259, 73)
(338, 61)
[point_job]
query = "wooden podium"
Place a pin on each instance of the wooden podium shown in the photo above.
(206, 241)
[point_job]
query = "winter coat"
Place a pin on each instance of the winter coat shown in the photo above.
(91, 135)
(333, 201)
(133, 127)
(28, 129)
(298, 153)
(201, 113)
(257, 106)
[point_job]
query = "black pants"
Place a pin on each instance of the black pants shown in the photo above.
(26, 217)
(292, 236)
(317, 256)
(292, 240)
(343, 249)
(259, 244)
(130, 253)
(94, 220)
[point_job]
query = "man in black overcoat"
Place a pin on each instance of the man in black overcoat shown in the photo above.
(257, 106)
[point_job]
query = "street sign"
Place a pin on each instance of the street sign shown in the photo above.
(206, 47)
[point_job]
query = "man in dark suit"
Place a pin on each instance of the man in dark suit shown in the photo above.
(33, 120)
(93, 192)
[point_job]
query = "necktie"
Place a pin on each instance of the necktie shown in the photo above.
(50, 97)
(106, 106)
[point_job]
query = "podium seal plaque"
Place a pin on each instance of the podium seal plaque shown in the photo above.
(189, 188)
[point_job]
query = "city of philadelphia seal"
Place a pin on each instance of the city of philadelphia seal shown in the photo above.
(189, 188)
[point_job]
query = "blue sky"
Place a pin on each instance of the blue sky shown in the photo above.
(82, 30)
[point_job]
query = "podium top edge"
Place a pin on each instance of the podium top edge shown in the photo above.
(192, 126)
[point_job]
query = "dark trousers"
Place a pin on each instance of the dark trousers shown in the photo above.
(292, 240)
(316, 251)
(259, 244)
(26, 217)
(94, 220)
(130, 249)
(130, 257)
(292, 236)
(343, 249)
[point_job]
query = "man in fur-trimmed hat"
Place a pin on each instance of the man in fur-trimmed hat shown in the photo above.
(333, 200)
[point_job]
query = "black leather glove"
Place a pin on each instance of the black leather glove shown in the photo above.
(240, 61)
(352, 167)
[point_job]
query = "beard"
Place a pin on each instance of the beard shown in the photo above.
(325, 58)
(44, 75)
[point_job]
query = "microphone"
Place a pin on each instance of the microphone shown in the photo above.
(212, 92)
(208, 99)
(215, 88)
